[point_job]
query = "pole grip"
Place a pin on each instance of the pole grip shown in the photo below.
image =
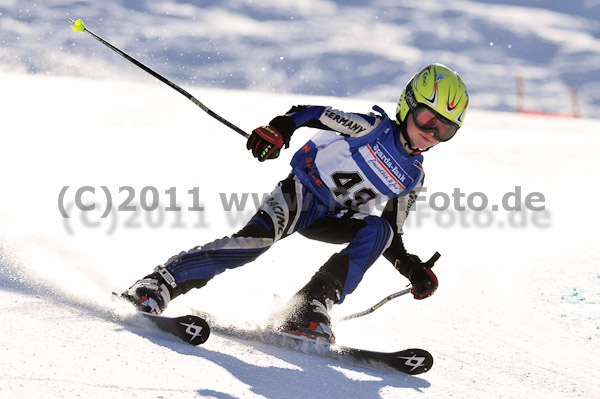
(429, 264)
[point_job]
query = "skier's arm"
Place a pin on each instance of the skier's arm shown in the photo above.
(424, 281)
(325, 118)
(266, 141)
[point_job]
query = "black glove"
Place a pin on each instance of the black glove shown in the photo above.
(424, 281)
(265, 142)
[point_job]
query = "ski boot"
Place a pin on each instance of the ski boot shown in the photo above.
(309, 317)
(153, 293)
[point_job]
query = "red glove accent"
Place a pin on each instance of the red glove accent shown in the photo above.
(425, 283)
(423, 279)
(265, 143)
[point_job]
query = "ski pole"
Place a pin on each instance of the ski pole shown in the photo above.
(78, 26)
(429, 264)
(377, 305)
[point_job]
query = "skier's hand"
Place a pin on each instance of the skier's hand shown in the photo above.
(424, 281)
(265, 142)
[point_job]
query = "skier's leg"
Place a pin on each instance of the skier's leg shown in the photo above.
(369, 237)
(277, 218)
(194, 268)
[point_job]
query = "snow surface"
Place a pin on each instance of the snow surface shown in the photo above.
(516, 314)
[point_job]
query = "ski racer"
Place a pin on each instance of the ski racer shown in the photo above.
(355, 162)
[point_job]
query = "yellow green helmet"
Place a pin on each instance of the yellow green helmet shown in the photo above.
(439, 88)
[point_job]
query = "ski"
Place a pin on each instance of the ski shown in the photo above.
(194, 329)
(409, 361)
(191, 329)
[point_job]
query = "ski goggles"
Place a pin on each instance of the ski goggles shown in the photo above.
(428, 120)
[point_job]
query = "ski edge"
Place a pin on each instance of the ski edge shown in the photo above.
(412, 361)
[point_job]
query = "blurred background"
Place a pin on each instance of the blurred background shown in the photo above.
(529, 55)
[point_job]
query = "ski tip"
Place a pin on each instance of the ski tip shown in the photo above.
(196, 330)
(78, 25)
(414, 361)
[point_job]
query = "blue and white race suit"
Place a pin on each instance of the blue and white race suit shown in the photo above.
(339, 177)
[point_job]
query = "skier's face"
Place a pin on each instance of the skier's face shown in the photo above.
(419, 138)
